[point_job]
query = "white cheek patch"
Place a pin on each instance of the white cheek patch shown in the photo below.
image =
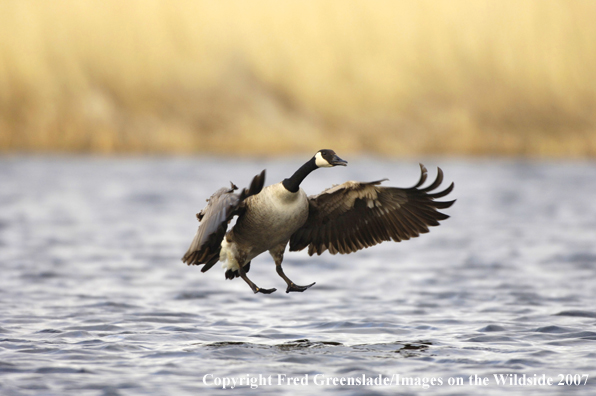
(321, 162)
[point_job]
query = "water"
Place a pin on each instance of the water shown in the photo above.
(95, 301)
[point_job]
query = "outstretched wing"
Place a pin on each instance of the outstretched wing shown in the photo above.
(354, 215)
(221, 207)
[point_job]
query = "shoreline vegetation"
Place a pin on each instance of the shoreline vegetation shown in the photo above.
(266, 77)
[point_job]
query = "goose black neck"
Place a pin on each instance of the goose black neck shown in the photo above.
(293, 183)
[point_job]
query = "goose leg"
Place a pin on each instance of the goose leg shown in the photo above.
(292, 287)
(278, 255)
(254, 287)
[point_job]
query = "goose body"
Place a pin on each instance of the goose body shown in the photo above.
(270, 219)
(341, 219)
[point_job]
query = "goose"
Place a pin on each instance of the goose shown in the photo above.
(342, 219)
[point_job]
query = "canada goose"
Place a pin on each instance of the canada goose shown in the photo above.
(342, 219)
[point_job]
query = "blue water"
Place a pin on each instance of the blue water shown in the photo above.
(95, 300)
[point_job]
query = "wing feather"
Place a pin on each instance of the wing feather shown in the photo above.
(355, 215)
(221, 207)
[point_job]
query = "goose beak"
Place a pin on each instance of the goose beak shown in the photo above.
(335, 161)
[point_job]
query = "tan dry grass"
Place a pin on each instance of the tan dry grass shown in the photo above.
(268, 76)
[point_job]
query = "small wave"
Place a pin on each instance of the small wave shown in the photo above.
(553, 329)
(160, 319)
(181, 329)
(76, 334)
(120, 347)
(41, 275)
(305, 344)
(322, 348)
(38, 350)
(582, 334)
(491, 328)
(192, 295)
(524, 362)
(110, 304)
(104, 327)
(495, 339)
(6, 367)
(61, 370)
(578, 313)
(49, 331)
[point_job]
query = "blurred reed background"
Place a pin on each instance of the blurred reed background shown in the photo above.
(470, 77)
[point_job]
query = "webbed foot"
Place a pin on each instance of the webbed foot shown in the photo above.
(297, 288)
(264, 291)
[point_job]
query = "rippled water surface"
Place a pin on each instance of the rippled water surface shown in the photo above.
(95, 300)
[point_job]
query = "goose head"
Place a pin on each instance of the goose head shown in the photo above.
(322, 159)
(327, 158)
